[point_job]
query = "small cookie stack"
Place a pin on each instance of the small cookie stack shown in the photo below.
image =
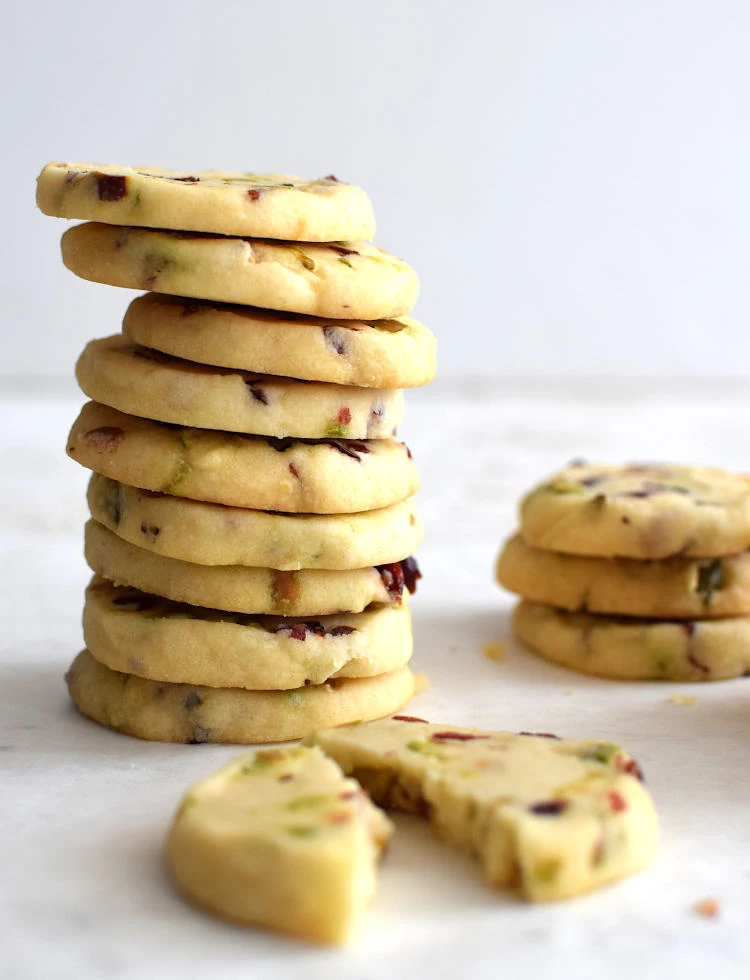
(639, 572)
(252, 515)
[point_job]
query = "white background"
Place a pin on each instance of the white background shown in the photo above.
(569, 177)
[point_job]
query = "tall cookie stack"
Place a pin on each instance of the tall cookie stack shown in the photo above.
(636, 572)
(252, 515)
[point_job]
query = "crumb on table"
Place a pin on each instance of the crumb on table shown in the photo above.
(707, 907)
(494, 651)
(682, 699)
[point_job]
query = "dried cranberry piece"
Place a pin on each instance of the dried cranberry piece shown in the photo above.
(410, 718)
(150, 530)
(350, 447)
(629, 766)
(540, 735)
(104, 439)
(110, 187)
(411, 572)
(617, 802)
(334, 339)
(257, 392)
(185, 180)
(344, 416)
(393, 578)
(253, 194)
(455, 737)
(549, 808)
(330, 177)
(293, 471)
(341, 631)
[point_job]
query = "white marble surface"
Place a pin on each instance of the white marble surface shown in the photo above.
(82, 891)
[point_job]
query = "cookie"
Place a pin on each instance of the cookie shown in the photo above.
(260, 205)
(672, 588)
(347, 280)
(213, 534)
(397, 353)
(152, 637)
(239, 588)
(146, 383)
(330, 476)
(554, 818)
(279, 838)
(625, 648)
(639, 511)
(162, 712)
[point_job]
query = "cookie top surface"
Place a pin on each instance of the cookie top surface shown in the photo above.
(260, 205)
(343, 280)
(396, 353)
(639, 511)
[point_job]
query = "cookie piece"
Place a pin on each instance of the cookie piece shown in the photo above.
(279, 838)
(673, 588)
(330, 476)
(162, 712)
(625, 648)
(239, 588)
(554, 818)
(146, 383)
(347, 280)
(213, 534)
(261, 205)
(639, 511)
(397, 353)
(143, 634)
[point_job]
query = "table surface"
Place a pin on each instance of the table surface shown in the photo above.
(83, 893)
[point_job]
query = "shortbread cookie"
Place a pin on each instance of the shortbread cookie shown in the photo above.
(672, 588)
(636, 649)
(142, 382)
(639, 511)
(397, 353)
(331, 476)
(261, 205)
(143, 634)
(279, 838)
(238, 588)
(213, 534)
(554, 818)
(348, 280)
(162, 712)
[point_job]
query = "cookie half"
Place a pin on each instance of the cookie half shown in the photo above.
(152, 637)
(331, 476)
(213, 534)
(162, 712)
(396, 353)
(239, 588)
(279, 838)
(146, 383)
(625, 648)
(346, 280)
(555, 818)
(670, 588)
(639, 511)
(260, 205)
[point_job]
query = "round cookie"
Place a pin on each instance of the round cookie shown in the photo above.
(162, 712)
(639, 511)
(397, 353)
(214, 534)
(239, 588)
(142, 382)
(260, 205)
(636, 649)
(327, 477)
(672, 588)
(142, 634)
(347, 280)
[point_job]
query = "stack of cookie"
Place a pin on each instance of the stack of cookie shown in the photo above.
(252, 513)
(636, 572)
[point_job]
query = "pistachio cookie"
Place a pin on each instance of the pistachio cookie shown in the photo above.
(162, 712)
(239, 588)
(639, 511)
(330, 476)
(554, 818)
(214, 534)
(138, 633)
(260, 205)
(397, 353)
(624, 648)
(348, 280)
(279, 838)
(672, 588)
(152, 385)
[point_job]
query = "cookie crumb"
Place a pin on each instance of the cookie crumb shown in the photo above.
(494, 651)
(685, 699)
(707, 907)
